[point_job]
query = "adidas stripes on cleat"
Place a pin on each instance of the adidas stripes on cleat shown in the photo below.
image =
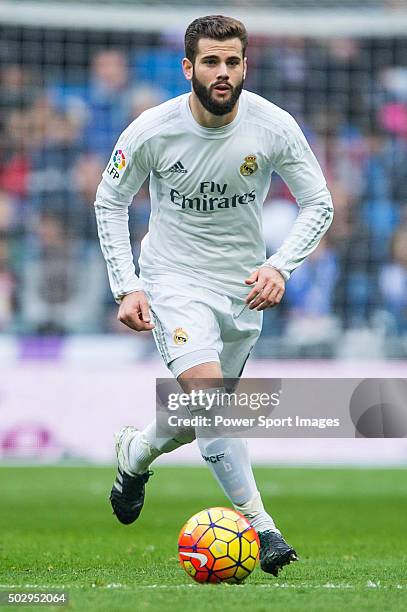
(127, 494)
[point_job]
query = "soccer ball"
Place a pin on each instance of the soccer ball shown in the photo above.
(218, 545)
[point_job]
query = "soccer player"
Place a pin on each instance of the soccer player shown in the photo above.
(204, 278)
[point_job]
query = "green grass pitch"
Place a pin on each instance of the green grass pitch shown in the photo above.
(349, 527)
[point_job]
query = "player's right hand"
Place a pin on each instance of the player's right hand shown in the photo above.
(134, 311)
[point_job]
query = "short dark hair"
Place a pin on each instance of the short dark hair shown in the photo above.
(217, 27)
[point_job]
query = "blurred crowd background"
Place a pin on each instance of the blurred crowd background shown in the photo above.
(65, 96)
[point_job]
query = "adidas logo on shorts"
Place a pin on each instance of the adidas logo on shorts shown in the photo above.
(178, 167)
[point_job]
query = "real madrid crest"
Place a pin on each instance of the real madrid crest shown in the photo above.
(180, 336)
(249, 166)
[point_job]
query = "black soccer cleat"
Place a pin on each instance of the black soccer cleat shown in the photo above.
(127, 495)
(274, 552)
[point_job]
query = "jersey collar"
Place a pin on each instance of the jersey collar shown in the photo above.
(220, 132)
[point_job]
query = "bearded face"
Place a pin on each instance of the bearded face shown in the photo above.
(217, 74)
(218, 98)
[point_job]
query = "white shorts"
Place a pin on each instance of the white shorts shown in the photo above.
(201, 325)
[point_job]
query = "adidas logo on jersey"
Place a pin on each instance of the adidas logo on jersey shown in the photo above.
(178, 167)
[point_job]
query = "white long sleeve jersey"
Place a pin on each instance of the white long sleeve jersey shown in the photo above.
(207, 188)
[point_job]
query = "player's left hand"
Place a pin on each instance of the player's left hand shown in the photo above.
(268, 288)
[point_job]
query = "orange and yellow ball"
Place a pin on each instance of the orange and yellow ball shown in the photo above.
(218, 545)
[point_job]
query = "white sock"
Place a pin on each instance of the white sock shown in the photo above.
(229, 460)
(255, 513)
(141, 453)
(145, 447)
